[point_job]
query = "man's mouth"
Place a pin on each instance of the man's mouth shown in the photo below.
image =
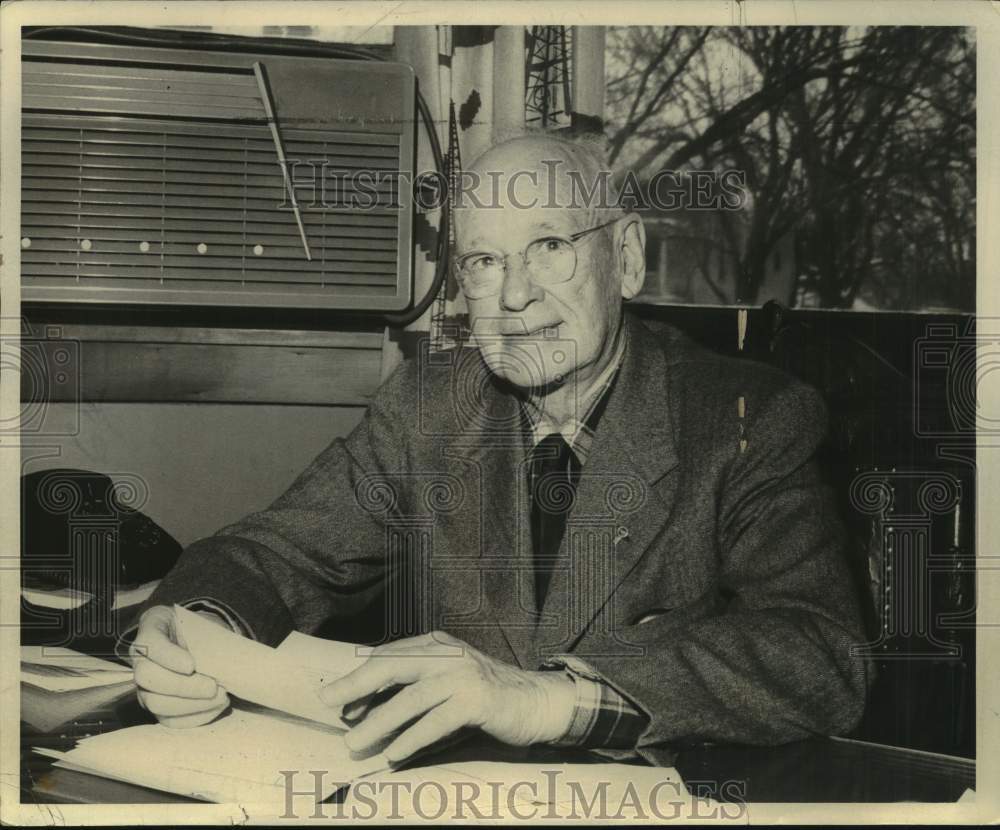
(540, 331)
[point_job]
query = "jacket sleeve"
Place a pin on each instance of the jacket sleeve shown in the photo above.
(317, 550)
(776, 664)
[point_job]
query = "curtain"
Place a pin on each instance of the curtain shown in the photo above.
(477, 71)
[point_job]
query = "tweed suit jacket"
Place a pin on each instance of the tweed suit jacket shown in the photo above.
(703, 578)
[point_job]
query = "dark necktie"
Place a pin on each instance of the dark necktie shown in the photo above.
(555, 470)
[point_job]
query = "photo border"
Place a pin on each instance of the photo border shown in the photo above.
(983, 16)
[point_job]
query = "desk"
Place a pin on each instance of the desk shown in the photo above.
(817, 770)
(827, 769)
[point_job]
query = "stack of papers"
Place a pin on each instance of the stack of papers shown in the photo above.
(69, 599)
(59, 685)
(277, 723)
(238, 758)
(45, 711)
(64, 670)
(61, 599)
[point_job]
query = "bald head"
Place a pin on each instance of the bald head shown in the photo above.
(542, 170)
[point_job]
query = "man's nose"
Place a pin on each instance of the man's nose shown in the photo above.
(518, 290)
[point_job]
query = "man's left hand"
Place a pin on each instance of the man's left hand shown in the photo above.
(447, 685)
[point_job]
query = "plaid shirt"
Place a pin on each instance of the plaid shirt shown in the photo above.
(603, 718)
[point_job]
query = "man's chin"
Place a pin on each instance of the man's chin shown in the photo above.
(523, 366)
(530, 383)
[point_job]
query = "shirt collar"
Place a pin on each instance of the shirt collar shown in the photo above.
(574, 429)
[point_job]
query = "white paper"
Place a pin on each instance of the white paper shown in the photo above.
(44, 710)
(287, 678)
(238, 758)
(61, 599)
(64, 670)
(69, 599)
(57, 655)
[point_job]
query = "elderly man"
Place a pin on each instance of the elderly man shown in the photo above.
(626, 542)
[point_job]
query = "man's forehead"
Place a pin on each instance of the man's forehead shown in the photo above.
(481, 226)
(530, 185)
(552, 169)
(523, 188)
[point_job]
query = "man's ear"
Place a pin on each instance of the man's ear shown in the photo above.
(632, 254)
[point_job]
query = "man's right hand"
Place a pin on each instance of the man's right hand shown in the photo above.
(169, 687)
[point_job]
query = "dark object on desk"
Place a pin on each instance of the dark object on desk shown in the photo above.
(64, 509)
(824, 769)
(78, 532)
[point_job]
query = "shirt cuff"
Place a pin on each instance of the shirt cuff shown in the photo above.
(603, 718)
(222, 611)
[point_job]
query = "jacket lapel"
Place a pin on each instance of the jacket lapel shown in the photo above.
(491, 456)
(624, 497)
(623, 501)
(508, 578)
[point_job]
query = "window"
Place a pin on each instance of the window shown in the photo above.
(845, 191)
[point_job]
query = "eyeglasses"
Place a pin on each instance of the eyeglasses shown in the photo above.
(549, 260)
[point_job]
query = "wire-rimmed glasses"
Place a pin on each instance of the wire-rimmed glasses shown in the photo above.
(549, 260)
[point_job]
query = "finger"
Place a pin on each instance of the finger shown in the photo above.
(405, 644)
(405, 706)
(357, 709)
(165, 705)
(156, 640)
(189, 721)
(437, 724)
(438, 643)
(375, 674)
(155, 678)
(163, 652)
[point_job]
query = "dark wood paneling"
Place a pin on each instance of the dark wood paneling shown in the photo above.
(184, 365)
